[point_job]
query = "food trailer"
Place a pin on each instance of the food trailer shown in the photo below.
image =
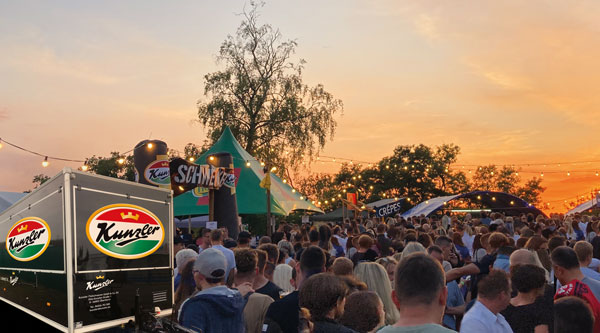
(84, 252)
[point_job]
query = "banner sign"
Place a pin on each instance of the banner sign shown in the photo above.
(389, 209)
(186, 176)
(351, 197)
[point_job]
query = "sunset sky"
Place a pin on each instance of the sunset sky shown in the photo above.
(510, 82)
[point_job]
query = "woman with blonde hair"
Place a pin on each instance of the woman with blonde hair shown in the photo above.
(570, 233)
(377, 280)
(389, 263)
(412, 247)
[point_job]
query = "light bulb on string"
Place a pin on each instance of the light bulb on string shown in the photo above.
(191, 159)
(150, 145)
(45, 163)
(84, 167)
(247, 163)
(121, 160)
(0, 143)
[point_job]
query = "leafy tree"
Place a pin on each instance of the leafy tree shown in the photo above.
(260, 95)
(419, 172)
(531, 191)
(115, 165)
(507, 179)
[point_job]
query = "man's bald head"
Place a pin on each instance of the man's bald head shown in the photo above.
(522, 257)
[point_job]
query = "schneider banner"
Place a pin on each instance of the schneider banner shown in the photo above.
(389, 209)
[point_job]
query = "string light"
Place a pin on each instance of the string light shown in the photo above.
(150, 145)
(45, 163)
(84, 167)
(121, 160)
(191, 159)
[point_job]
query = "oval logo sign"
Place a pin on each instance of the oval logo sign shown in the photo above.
(158, 173)
(125, 231)
(28, 239)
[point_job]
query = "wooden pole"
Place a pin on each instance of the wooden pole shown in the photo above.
(269, 228)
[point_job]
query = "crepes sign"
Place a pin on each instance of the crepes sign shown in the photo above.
(187, 176)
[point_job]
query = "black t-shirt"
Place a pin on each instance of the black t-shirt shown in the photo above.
(283, 315)
(270, 289)
(526, 317)
(370, 255)
(484, 269)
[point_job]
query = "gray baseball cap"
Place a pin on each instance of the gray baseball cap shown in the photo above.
(211, 263)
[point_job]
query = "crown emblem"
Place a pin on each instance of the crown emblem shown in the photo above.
(130, 216)
(99, 277)
(21, 228)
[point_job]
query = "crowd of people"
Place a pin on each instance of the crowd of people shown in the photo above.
(489, 273)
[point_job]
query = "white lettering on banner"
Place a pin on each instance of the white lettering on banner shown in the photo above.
(204, 175)
(389, 209)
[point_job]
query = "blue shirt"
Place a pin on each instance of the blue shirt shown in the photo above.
(480, 319)
(502, 262)
(455, 298)
(229, 256)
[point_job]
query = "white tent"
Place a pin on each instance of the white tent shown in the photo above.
(194, 222)
(7, 199)
(583, 207)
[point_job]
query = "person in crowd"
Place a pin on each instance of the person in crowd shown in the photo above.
(412, 247)
(205, 239)
(492, 298)
(216, 308)
(384, 244)
(364, 252)
(389, 263)
(325, 235)
(181, 258)
(502, 258)
(478, 249)
(244, 239)
(339, 250)
(342, 267)
(187, 285)
(257, 304)
(455, 302)
(272, 252)
(284, 278)
(216, 241)
(324, 296)
(584, 251)
(178, 245)
(525, 313)
(573, 315)
(539, 244)
(419, 295)
(480, 269)
(463, 251)
(376, 278)
(351, 244)
(363, 312)
(262, 284)
(567, 269)
(283, 314)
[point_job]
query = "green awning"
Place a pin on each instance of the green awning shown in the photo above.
(251, 198)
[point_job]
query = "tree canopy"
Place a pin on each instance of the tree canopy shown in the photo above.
(261, 96)
(416, 172)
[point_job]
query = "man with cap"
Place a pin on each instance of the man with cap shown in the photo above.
(215, 308)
